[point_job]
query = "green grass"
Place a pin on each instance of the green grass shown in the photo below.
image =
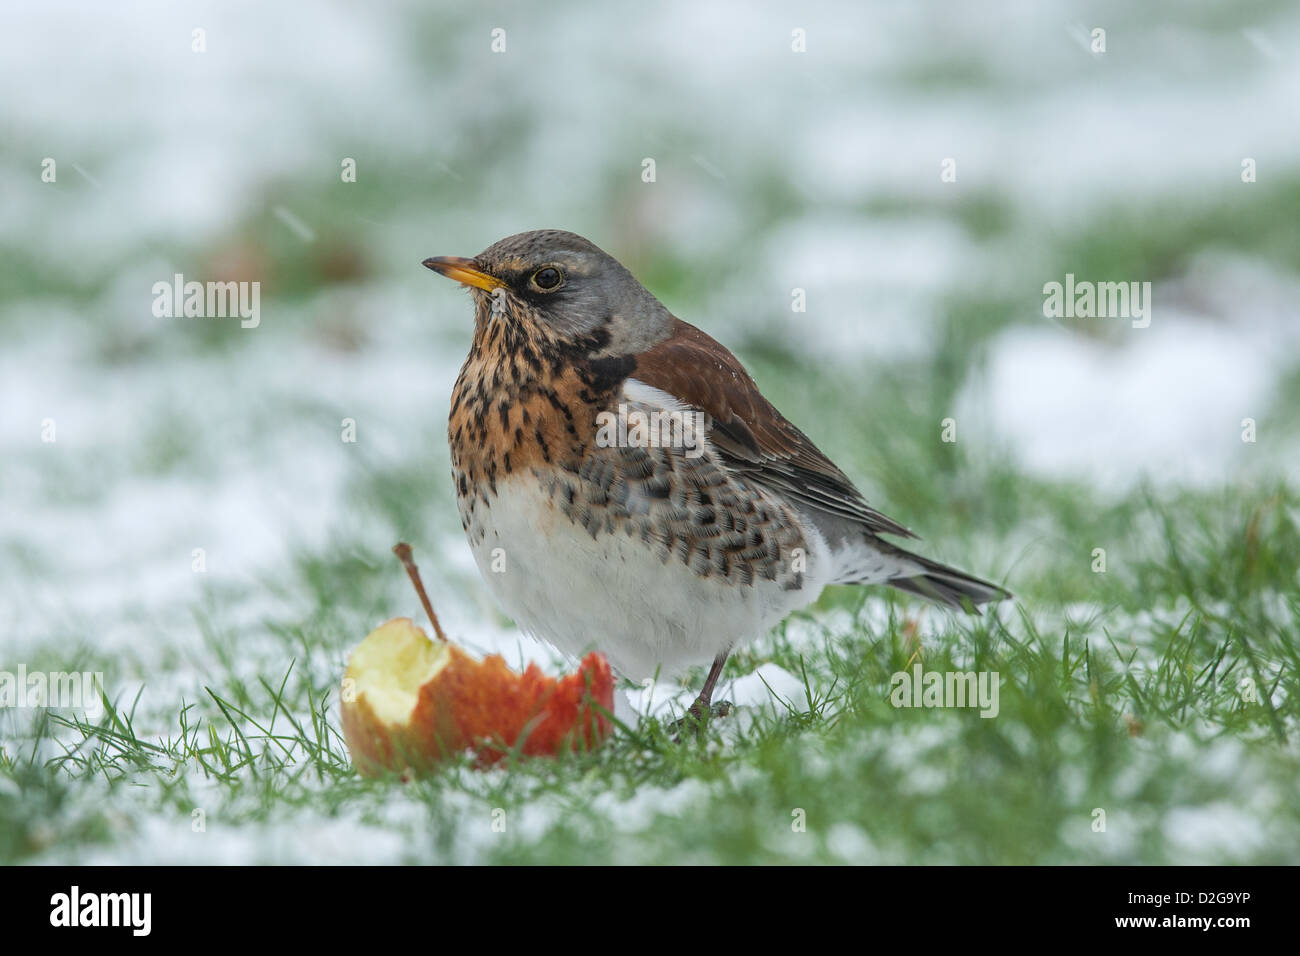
(1120, 691)
(1160, 691)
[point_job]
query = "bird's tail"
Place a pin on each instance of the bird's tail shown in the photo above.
(945, 585)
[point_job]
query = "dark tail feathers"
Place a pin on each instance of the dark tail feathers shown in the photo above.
(945, 585)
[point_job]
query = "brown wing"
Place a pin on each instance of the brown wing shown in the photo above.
(753, 437)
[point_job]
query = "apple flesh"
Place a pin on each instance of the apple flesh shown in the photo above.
(411, 703)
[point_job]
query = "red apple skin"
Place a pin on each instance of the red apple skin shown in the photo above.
(576, 708)
(479, 705)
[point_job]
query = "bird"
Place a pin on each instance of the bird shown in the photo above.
(624, 485)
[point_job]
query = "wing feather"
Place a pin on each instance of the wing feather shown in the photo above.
(753, 437)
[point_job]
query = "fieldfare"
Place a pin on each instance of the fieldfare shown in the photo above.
(626, 487)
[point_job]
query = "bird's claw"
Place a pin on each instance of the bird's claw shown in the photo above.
(697, 717)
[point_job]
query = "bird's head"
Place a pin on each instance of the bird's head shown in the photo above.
(560, 290)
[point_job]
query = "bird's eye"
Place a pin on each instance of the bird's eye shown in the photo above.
(548, 279)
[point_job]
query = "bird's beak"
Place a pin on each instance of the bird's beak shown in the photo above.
(463, 271)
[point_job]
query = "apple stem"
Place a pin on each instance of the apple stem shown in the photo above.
(403, 552)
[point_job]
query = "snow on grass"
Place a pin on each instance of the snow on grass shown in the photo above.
(824, 175)
(1163, 403)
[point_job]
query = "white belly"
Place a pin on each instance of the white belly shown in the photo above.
(613, 593)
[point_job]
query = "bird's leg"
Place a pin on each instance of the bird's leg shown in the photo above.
(701, 705)
(703, 708)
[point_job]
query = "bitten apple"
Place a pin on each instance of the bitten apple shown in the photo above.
(409, 702)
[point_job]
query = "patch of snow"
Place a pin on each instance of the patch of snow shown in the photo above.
(1165, 403)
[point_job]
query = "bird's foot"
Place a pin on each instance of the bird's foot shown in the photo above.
(697, 718)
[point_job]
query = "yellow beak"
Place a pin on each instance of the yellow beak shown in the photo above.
(463, 271)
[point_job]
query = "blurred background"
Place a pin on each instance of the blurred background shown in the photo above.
(793, 147)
